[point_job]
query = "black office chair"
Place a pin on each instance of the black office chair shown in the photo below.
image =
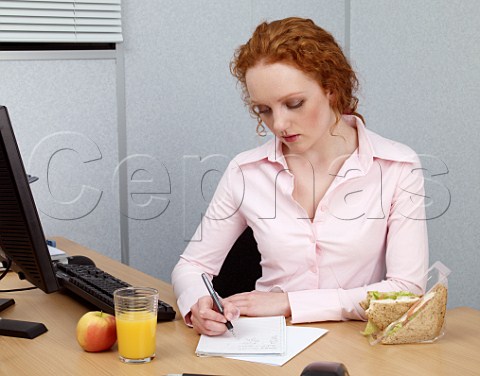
(241, 268)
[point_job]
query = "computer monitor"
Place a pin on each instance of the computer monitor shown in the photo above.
(22, 240)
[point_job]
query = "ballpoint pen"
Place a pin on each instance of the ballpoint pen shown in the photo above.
(216, 301)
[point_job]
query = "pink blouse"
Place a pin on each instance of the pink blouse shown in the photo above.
(369, 231)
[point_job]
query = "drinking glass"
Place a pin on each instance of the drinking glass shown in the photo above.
(136, 320)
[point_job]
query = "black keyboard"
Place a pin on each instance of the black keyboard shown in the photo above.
(97, 287)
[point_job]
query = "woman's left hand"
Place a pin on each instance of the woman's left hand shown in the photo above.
(258, 303)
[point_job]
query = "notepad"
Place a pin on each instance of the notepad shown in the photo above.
(298, 339)
(253, 336)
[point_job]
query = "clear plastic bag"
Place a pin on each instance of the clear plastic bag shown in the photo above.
(424, 322)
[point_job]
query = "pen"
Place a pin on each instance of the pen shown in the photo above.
(216, 301)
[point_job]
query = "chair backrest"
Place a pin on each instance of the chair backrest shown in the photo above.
(241, 268)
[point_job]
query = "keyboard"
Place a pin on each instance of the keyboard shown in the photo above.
(97, 286)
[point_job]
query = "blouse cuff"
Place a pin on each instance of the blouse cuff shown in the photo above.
(315, 305)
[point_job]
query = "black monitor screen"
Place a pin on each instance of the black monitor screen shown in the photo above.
(22, 240)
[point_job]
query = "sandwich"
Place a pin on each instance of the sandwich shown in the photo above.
(403, 317)
(422, 322)
(383, 308)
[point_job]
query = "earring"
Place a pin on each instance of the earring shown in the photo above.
(261, 131)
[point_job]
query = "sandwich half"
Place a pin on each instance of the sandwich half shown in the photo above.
(383, 308)
(422, 322)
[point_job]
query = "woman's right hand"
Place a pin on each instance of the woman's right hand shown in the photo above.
(206, 320)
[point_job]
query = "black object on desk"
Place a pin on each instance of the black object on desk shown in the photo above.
(17, 328)
(5, 303)
(325, 369)
(80, 260)
(21, 329)
(96, 286)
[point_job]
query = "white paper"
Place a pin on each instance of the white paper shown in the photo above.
(298, 339)
(253, 336)
(55, 253)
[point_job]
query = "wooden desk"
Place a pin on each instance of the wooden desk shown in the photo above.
(57, 352)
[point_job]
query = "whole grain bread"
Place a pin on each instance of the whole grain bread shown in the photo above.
(383, 312)
(426, 324)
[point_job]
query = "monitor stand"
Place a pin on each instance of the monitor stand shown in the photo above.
(17, 328)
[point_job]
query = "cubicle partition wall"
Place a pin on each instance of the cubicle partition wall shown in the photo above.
(130, 143)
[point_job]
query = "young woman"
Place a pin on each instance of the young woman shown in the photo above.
(336, 209)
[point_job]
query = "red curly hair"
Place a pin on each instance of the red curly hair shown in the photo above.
(305, 46)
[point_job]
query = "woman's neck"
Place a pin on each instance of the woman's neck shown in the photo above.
(332, 150)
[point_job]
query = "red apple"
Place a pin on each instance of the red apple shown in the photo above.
(96, 331)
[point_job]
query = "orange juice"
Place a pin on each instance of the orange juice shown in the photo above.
(136, 334)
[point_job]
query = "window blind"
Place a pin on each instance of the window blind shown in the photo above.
(85, 21)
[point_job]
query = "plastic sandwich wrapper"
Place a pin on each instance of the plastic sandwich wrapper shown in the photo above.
(424, 322)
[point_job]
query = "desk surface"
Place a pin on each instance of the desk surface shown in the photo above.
(57, 352)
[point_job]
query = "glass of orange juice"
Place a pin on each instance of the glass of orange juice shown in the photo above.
(136, 320)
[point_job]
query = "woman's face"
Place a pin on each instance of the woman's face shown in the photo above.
(292, 105)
